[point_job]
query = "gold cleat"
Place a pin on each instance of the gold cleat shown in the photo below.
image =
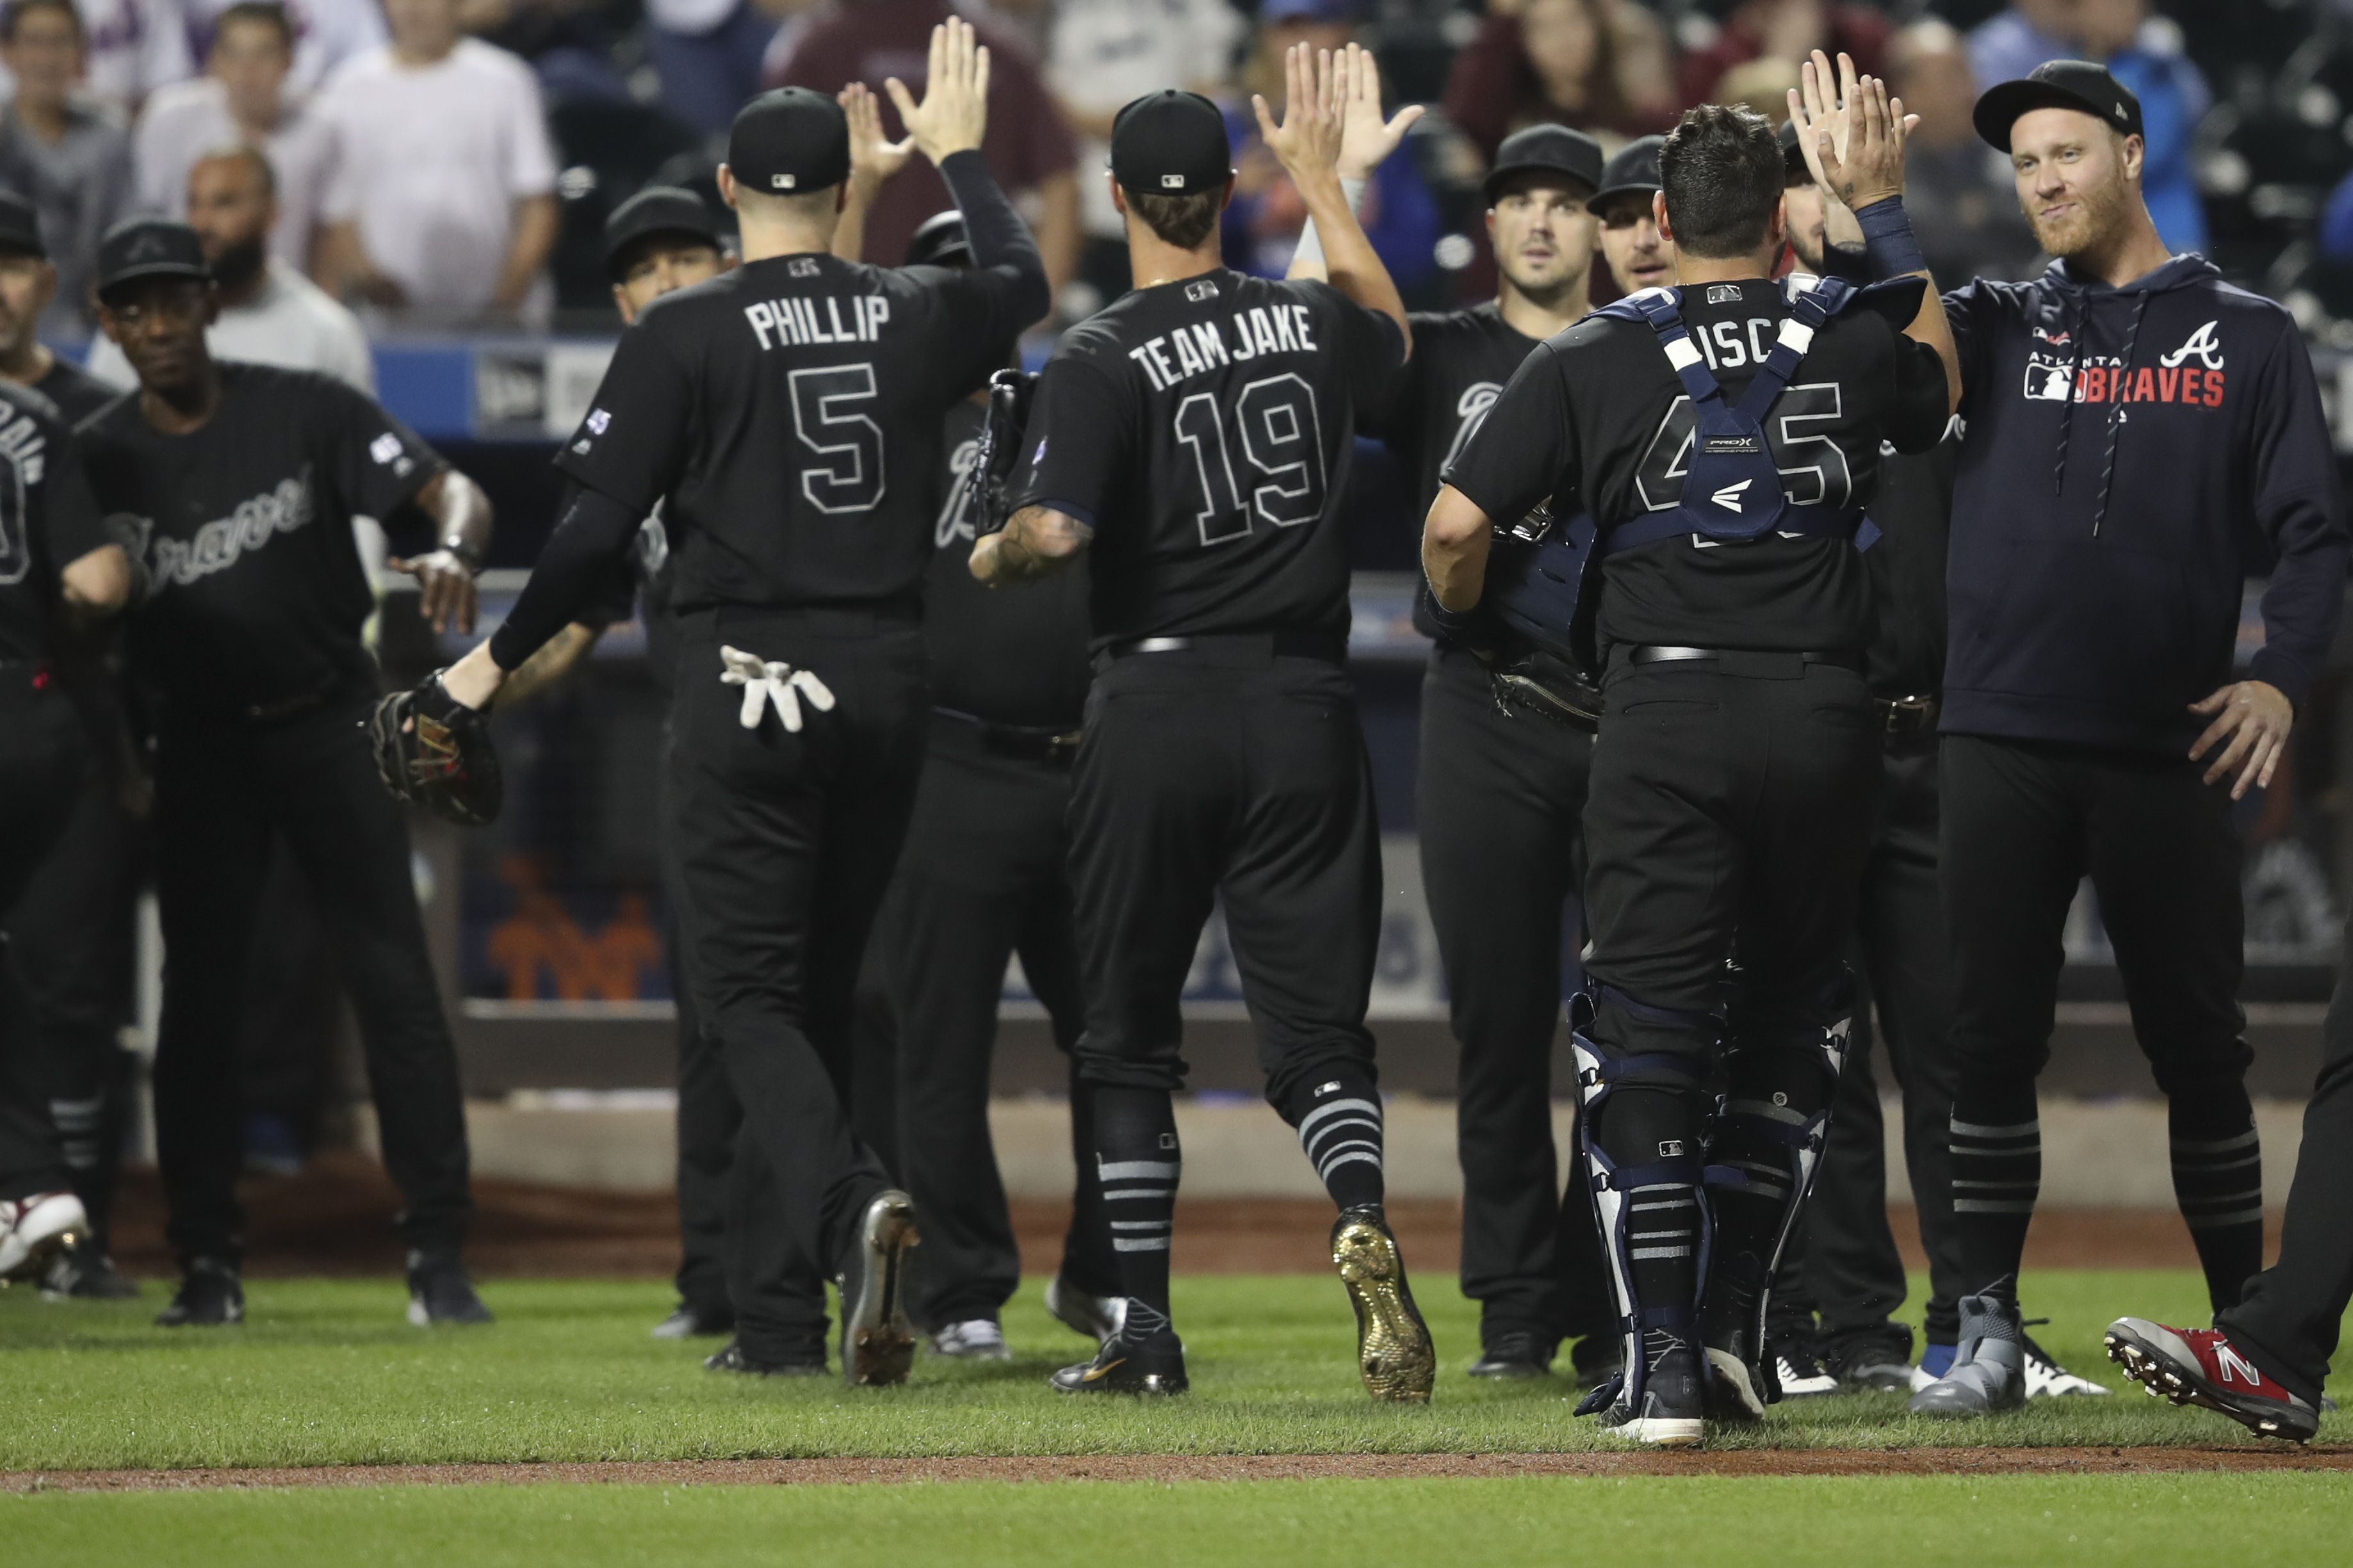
(1393, 1348)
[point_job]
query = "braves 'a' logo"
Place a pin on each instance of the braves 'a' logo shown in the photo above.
(2201, 343)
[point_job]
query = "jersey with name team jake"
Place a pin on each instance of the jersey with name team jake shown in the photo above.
(1203, 428)
(786, 416)
(245, 524)
(1596, 419)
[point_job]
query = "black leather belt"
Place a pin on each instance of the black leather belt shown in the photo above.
(1240, 646)
(1028, 742)
(1907, 718)
(1744, 661)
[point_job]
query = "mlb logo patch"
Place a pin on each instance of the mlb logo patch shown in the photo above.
(781, 182)
(2047, 383)
(600, 421)
(385, 448)
(1172, 182)
(1200, 289)
(1723, 293)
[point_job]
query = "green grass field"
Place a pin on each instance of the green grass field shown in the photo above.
(327, 1372)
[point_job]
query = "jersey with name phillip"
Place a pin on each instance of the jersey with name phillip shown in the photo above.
(1599, 413)
(47, 520)
(1012, 655)
(1203, 427)
(786, 416)
(257, 596)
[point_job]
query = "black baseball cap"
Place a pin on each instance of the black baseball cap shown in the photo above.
(2057, 84)
(657, 209)
(788, 142)
(1793, 157)
(1170, 144)
(940, 240)
(1633, 171)
(1552, 148)
(149, 248)
(20, 226)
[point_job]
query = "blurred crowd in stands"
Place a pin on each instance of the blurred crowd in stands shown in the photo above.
(448, 164)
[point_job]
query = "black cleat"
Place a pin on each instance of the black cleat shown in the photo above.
(1152, 1365)
(1873, 1364)
(82, 1273)
(1513, 1354)
(1672, 1410)
(210, 1295)
(441, 1292)
(733, 1358)
(878, 1343)
(1394, 1354)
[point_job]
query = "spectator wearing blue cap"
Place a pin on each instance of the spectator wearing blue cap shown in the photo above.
(1263, 221)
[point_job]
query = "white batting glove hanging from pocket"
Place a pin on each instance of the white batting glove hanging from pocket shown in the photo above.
(772, 682)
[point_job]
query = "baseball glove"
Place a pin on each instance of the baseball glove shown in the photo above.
(1542, 683)
(435, 752)
(1009, 395)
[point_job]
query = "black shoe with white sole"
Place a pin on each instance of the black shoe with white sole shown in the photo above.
(210, 1296)
(441, 1292)
(1154, 1365)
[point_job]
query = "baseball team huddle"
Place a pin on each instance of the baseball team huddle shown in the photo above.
(1811, 633)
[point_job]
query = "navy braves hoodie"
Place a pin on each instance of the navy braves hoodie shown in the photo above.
(2130, 452)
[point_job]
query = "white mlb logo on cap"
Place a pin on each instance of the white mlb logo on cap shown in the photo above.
(781, 182)
(1172, 182)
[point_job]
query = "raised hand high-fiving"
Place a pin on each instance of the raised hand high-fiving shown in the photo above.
(1366, 139)
(954, 114)
(1307, 142)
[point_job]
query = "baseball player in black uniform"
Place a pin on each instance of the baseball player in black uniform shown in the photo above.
(983, 879)
(1725, 437)
(1639, 257)
(236, 485)
(1195, 439)
(1500, 789)
(71, 927)
(777, 414)
(56, 561)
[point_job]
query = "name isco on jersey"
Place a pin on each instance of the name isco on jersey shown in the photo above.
(797, 323)
(1260, 330)
(222, 543)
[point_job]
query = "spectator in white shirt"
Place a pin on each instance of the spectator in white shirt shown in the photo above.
(243, 97)
(60, 152)
(443, 196)
(131, 48)
(269, 314)
(326, 34)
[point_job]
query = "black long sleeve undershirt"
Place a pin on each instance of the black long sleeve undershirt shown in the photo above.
(1000, 241)
(591, 531)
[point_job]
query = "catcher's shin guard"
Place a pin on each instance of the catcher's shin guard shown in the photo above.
(1670, 1181)
(1763, 1145)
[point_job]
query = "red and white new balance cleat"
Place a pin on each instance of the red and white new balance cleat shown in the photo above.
(2202, 1366)
(36, 1228)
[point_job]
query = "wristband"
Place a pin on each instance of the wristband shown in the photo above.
(1887, 241)
(1310, 245)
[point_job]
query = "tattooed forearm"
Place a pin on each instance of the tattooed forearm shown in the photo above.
(1037, 541)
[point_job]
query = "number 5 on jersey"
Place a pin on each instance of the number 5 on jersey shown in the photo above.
(1273, 423)
(848, 475)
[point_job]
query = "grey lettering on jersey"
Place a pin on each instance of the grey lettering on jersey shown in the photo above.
(1191, 349)
(956, 512)
(22, 445)
(799, 323)
(1471, 408)
(222, 543)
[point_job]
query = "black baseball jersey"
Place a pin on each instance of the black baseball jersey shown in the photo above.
(1203, 428)
(48, 520)
(1914, 511)
(786, 416)
(1010, 655)
(639, 584)
(258, 595)
(1598, 413)
(1426, 411)
(76, 391)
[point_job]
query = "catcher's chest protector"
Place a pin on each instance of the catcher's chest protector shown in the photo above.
(1731, 490)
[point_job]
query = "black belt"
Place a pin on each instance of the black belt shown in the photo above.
(844, 620)
(1028, 742)
(1906, 718)
(1238, 647)
(1746, 661)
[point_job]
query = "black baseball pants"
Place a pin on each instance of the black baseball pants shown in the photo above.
(786, 841)
(1852, 1272)
(222, 791)
(984, 877)
(2293, 1312)
(71, 932)
(44, 768)
(1227, 770)
(1501, 796)
(2024, 823)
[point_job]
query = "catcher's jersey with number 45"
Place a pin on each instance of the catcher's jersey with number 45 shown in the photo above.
(1203, 428)
(787, 417)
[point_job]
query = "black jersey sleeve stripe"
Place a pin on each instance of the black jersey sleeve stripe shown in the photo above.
(593, 529)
